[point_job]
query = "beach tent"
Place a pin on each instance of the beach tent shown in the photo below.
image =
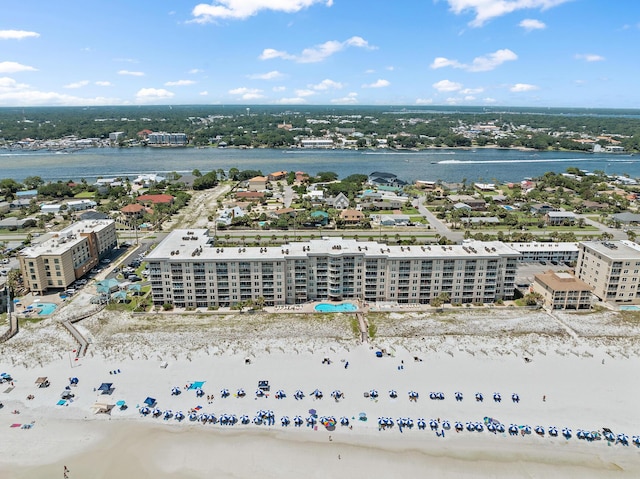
(103, 408)
(150, 401)
(42, 382)
(106, 388)
(107, 285)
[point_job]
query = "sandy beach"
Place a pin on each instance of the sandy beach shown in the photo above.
(574, 371)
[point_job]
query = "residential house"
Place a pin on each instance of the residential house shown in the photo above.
(381, 178)
(277, 176)
(257, 183)
(557, 218)
(250, 195)
(351, 216)
(227, 215)
(134, 210)
(476, 204)
(338, 202)
(542, 209)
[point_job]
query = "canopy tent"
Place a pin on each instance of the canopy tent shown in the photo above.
(107, 285)
(42, 382)
(106, 388)
(119, 296)
(103, 408)
(150, 401)
(134, 287)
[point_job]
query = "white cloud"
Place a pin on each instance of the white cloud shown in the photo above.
(279, 88)
(145, 95)
(369, 71)
(180, 83)
(126, 60)
(203, 93)
(350, 99)
(21, 94)
(247, 93)
(486, 10)
(14, 67)
(193, 71)
(471, 91)
(447, 85)
(326, 84)
(380, 83)
(530, 24)
(134, 74)
(272, 75)
(479, 64)
(590, 57)
(103, 83)
(17, 34)
(241, 9)
(424, 101)
(290, 101)
(522, 87)
(488, 100)
(304, 93)
(78, 84)
(390, 68)
(317, 53)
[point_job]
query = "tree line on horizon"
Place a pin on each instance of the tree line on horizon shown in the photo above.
(258, 126)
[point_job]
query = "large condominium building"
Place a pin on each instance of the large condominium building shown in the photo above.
(188, 270)
(67, 255)
(612, 269)
(163, 138)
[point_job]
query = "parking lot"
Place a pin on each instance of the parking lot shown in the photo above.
(526, 271)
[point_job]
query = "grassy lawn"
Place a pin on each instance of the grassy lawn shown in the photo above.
(85, 194)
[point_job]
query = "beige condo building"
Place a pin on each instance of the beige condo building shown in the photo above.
(188, 270)
(612, 268)
(67, 255)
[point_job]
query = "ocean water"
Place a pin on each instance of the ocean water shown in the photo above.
(486, 165)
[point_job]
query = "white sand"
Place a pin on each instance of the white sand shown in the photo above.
(486, 355)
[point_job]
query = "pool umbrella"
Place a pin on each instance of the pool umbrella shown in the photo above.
(580, 434)
(233, 419)
(515, 398)
(389, 422)
(74, 381)
(203, 417)
(257, 420)
(336, 394)
(409, 422)
(382, 421)
(440, 396)
(470, 426)
(491, 427)
(311, 421)
(317, 394)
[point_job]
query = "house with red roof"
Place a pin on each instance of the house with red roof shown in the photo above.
(161, 199)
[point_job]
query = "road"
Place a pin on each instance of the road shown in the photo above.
(437, 225)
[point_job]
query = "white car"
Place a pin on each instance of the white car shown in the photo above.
(105, 261)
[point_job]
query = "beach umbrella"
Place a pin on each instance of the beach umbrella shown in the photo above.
(470, 426)
(257, 420)
(233, 419)
(179, 416)
(344, 421)
(393, 394)
(479, 397)
(317, 394)
(224, 393)
(241, 393)
(500, 428)
(244, 419)
(491, 427)
(280, 394)
(433, 424)
(566, 432)
(636, 440)
(527, 429)
(515, 398)
(580, 434)
(202, 417)
(168, 414)
(336, 394)
(623, 439)
(298, 421)
(421, 423)
(285, 420)
(175, 391)
(298, 395)
(199, 392)
(513, 429)
(458, 395)
(479, 427)
(362, 416)
(446, 424)
(157, 412)
(497, 397)
(553, 431)
(311, 421)
(382, 421)
(432, 395)
(458, 425)
(373, 393)
(259, 393)
(145, 410)
(441, 396)
(389, 422)
(409, 422)
(539, 430)
(212, 418)
(74, 380)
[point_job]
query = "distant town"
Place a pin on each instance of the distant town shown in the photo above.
(340, 127)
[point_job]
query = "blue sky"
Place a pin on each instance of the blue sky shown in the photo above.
(551, 53)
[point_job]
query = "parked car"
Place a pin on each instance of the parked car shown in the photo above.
(105, 261)
(134, 279)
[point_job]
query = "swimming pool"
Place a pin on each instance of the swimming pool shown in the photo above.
(336, 308)
(45, 309)
(508, 207)
(629, 308)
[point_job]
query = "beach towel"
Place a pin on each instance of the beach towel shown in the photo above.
(15, 425)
